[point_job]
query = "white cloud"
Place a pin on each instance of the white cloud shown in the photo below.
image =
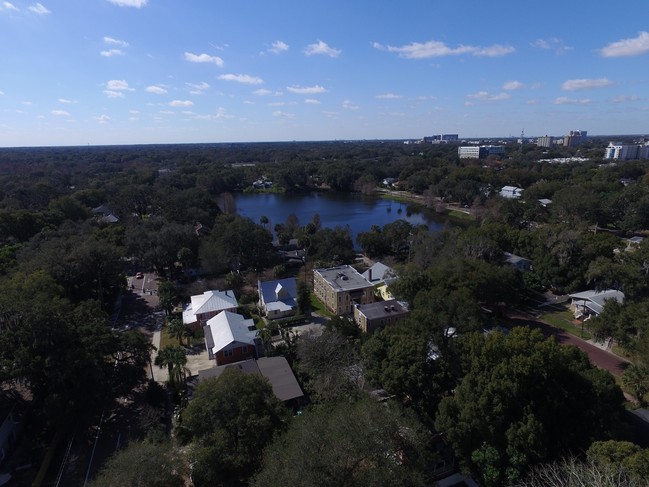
(321, 48)
(349, 105)
(112, 52)
(625, 98)
(9, 6)
(155, 89)
(513, 85)
(60, 113)
(198, 88)
(278, 46)
(134, 112)
(262, 92)
(564, 100)
(66, 101)
(389, 96)
(628, 47)
(242, 78)
(424, 50)
(114, 94)
(181, 103)
(307, 90)
(553, 44)
(203, 58)
(39, 8)
(129, 3)
(486, 96)
(312, 101)
(111, 41)
(281, 114)
(2, 93)
(102, 118)
(167, 112)
(584, 84)
(118, 85)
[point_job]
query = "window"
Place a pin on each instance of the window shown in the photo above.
(228, 353)
(244, 349)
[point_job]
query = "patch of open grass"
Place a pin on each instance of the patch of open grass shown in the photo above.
(460, 215)
(165, 339)
(563, 320)
(319, 308)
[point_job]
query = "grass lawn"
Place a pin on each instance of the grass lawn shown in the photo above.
(165, 339)
(460, 214)
(563, 320)
(319, 308)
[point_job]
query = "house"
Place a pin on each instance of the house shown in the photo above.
(104, 214)
(381, 277)
(229, 338)
(633, 243)
(339, 288)
(511, 192)
(278, 299)
(516, 261)
(371, 316)
(275, 369)
(207, 305)
(591, 303)
(545, 202)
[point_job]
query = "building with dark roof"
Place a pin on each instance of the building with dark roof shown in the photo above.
(275, 369)
(371, 316)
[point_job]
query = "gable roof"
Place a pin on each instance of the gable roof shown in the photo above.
(595, 300)
(227, 328)
(208, 302)
(380, 273)
(280, 294)
(275, 369)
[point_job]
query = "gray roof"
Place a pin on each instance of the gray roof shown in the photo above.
(594, 300)
(380, 274)
(227, 328)
(382, 309)
(209, 302)
(343, 278)
(279, 294)
(275, 369)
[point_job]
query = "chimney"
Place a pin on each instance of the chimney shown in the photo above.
(369, 274)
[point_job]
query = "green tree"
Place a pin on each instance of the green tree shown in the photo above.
(168, 296)
(175, 359)
(143, 464)
(636, 379)
(524, 400)
(364, 443)
(177, 329)
(231, 419)
(303, 298)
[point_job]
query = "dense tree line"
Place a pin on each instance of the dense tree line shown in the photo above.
(505, 403)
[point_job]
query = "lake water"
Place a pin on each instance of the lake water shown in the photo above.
(357, 211)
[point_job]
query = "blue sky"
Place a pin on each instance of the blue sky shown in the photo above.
(77, 72)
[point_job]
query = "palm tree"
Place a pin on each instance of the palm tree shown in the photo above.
(174, 358)
(636, 379)
(177, 329)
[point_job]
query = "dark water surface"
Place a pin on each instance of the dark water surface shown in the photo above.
(357, 211)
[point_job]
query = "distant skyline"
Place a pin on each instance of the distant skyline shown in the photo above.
(103, 72)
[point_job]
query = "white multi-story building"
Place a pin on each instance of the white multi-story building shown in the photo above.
(479, 152)
(626, 152)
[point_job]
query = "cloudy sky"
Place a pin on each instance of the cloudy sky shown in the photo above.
(77, 72)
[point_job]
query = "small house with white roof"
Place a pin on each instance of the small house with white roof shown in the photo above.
(207, 305)
(278, 299)
(587, 304)
(229, 338)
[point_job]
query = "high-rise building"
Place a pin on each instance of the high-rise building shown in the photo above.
(545, 141)
(575, 138)
(626, 152)
(480, 152)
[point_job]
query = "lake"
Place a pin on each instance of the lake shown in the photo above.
(358, 211)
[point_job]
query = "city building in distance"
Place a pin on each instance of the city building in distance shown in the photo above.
(626, 152)
(480, 152)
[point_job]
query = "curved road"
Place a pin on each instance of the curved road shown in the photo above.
(598, 357)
